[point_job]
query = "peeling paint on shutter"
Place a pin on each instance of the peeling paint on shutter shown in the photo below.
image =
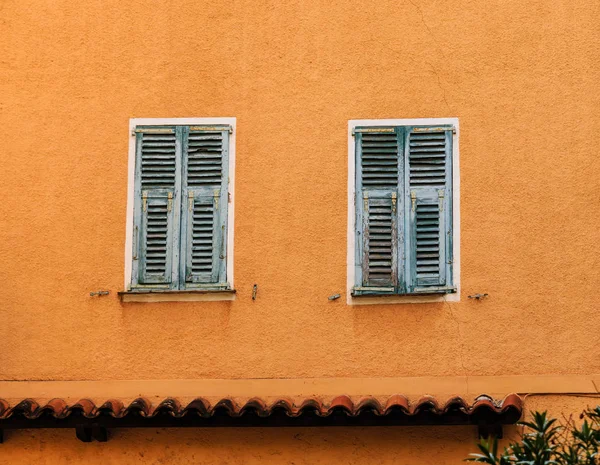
(403, 210)
(379, 161)
(158, 161)
(202, 229)
(204, 215)
(378, 168)
(380, 268)
(155, 208)
(205, 159)
(157, 235)
(428, 242)
(427, 160)
(429, 209)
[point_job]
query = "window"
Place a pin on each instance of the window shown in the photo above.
(180, 217)
(403, 229)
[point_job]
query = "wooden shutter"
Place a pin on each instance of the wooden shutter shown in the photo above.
(379, 176)
(204, 213)
(429, 209)
(155, 221)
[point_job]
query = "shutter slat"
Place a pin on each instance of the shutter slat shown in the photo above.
(379, 161)
(428, 262)
(205, 160)
(200, 257)
(380, 243)
(427, 159)
(156, 237)
(158, 161)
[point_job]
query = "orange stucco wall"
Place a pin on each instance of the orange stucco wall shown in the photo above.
(522, 77)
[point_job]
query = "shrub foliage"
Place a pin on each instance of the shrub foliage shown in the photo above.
(545, 442)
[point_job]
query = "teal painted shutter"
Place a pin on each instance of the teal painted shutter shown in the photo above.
(378, 181)
(204, 210)
(428, 216)
(155, 220)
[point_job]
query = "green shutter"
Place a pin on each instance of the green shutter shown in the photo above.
(204, 210)
(155, 234)
(403, 210)
(428, 212)
(378, 203)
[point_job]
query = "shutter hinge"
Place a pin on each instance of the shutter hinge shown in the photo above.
(170, 201)
(413, 199)
(145, 200)
(393, 202)
(366, 199)
(441, 197)
(453, 129)
(190, 201)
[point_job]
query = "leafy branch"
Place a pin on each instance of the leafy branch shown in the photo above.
(545, 442)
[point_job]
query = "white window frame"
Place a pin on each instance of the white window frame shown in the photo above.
(351, 233)
(133, 122)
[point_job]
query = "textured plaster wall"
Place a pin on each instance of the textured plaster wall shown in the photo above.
(236, 446)
(523, 77)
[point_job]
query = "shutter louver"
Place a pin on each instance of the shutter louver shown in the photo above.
(158, 161)
(203, 234)
(380, 242)
(204, 220)
(204, 241)
(429, 172)
(157, 168)
(205, 159)
(427, 160)
(378, 169)
(429, 244)
(157, 227)
(379, 161)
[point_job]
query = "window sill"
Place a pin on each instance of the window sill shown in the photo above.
(379, 292)
(196, 295)
(368, 297)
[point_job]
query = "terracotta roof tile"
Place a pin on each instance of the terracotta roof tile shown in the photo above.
(92, 420)
(398, 402)
(395, 404)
